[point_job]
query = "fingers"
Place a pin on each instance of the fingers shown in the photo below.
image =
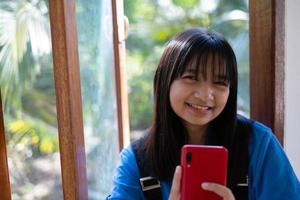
(220, 190)
(176, 179)
(175, 189)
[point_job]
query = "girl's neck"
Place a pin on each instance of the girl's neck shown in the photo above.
(196, 134)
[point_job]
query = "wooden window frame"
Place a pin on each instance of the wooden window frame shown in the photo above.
(68, 98)
(267, 55)
(267, 34)
(119, 35)
(5, 192)
(68, 92)
(68, 95)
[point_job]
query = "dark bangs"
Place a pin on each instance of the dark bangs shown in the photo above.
(212, 54)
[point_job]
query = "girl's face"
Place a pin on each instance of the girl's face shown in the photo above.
(198, 100)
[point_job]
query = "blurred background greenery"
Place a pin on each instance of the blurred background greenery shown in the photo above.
(27, 86)
(28, 96)
(154, 22)
(26, 75)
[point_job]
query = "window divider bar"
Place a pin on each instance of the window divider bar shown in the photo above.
(68, 98)
(120, 72)
(267, 56)
(5, 192)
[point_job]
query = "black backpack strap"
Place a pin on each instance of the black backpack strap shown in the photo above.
(240, 190)
(149, 185)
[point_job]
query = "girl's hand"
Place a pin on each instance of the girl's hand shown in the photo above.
(175, 189)
(220, 190)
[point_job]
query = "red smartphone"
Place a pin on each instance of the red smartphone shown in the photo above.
(202, 163)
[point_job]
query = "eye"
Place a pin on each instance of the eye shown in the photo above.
(222, 83)
(188, 76)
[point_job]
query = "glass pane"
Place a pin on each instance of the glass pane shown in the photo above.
(26, 77)
(152, 23)
(94, 23)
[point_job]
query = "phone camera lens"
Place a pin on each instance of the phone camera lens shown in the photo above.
(188, 157)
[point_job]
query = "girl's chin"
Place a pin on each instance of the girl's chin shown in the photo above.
(200, 123)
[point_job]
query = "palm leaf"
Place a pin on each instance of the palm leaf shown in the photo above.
(23, 27)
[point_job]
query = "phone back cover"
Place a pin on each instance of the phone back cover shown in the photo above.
(208, 164)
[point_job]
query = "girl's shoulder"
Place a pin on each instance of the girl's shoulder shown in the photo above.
(260, 137)
(132, 154)
(127, 156)
(270, 173)
(262, 143)
(258, 131)
(134, 151)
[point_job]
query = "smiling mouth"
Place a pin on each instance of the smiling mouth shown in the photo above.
(199, 107)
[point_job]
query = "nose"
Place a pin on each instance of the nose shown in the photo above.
(204, 91)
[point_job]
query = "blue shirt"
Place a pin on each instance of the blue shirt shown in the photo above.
(270, 173)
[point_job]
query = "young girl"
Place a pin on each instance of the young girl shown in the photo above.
(195, 90)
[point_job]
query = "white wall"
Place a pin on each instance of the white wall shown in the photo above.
(292, 84)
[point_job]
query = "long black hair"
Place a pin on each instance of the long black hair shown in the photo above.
(193, 48)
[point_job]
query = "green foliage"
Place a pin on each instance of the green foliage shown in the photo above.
(153, 23)
(32, 136)
(140, 91)
(185, 3)
(23, 25)
(26, 77)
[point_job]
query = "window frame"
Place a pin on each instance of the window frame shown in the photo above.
(267, 43)
(267, 62)
(68, 98)
(119, 37)
(5, 191)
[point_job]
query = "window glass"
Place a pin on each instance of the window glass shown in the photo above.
(152, 23)
(28, 95)
(95, 40)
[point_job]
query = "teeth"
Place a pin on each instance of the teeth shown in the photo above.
(199, 107)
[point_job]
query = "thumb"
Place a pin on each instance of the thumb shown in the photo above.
(175, 190)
